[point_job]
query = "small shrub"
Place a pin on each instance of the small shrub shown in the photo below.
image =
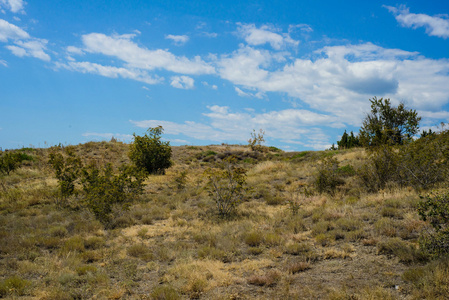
(13, 286)
(435, 210)
(328, 178)
(227, 187)
(268, 279)
(299, 267)
(256, 140)
(254, 238)
(164, 292)
(404, 251)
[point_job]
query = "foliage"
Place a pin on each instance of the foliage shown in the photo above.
(348, 141)
(388, 125)
(435, 210)
(10, 161)
(421, 164)
(425, 161)
(227, 186)
(256, 140)
(328, 177)
(381, 169)
(149, 153)
(67, 169)
(103, 189)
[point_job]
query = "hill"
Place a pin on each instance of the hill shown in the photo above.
(284, 240)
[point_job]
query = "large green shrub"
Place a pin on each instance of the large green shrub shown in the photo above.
(10, 161)
(149, 153)
(103, 189)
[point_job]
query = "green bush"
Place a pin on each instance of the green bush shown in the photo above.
(10, 161)
(67, 169)
(149, 153)
(13, 286)
(435, 210)
(103, 189)
(328, 177)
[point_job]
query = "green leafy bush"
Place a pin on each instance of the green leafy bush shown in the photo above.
(328, 177)
(103, 189)
(67, 169)
(149, 153)
(435, 210)
(10, 161)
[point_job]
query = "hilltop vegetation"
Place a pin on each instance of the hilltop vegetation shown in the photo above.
(304, 225)
(148, 221)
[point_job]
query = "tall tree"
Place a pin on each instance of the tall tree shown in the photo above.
(388, 125)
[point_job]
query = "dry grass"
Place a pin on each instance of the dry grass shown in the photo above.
(172, 245)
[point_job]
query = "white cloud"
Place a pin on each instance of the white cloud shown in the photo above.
(302, 27)
(298, 126)
(241, 93)
(133, 56)
(265, 34)
(11, 31)
(344, 76)
(24, 44)
(3, 63)
(120, 136)
(435, 26)
(14, 5)
(110, 71)
(214, 87)
(34, 48)
(74, 50)
(182, 82)
(178, 39)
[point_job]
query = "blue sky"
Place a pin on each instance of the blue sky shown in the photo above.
(211, 71)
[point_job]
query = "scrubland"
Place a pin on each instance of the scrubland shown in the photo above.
(285, 240)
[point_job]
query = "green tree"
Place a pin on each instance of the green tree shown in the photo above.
(388, 125)
(149, 153)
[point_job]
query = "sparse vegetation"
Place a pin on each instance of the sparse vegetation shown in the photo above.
(346, 224)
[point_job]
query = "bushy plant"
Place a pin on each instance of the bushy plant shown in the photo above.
(227, 186)
(10, 161)
(435, 210)
(67, 169)
(103, 189)
(256, 140)
(328, 176)
(387, 125)
(149, 153)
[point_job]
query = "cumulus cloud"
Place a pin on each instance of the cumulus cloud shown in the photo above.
(13, 5)
(265, 34)
(241, 93)
(343, 76)
(297, 126)
(435, 26)
(134, 56)
(182, 82)
(10, 31)
(24, 44)
(179, 40)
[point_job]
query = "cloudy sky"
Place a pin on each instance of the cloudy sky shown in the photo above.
(211, 71)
